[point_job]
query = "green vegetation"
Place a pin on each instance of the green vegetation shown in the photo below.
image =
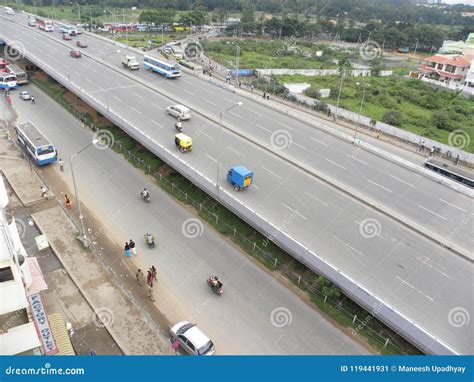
(269, 54)
(325, 295)
(406, 103)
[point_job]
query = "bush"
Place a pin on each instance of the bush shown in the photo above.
(311, 92)
(393, 117)
(441, 120)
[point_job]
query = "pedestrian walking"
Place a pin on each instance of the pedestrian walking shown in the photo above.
(422, 146)
(127, 250)
(149, 278)
(153, 272)
(150, 293)
(456, 161)
(240, 84)
(33, 100)
(268, 96)
(9, 99)
(132, 247)
(251, 88)
(61, 165)
(432, 151)
(264, 95)
(67, 202)
(43, 191)
(140, 277)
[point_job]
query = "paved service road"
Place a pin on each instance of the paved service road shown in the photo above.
(422, 200)
(410, 273)
(240, 320)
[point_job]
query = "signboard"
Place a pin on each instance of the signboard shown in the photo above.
(42, 325)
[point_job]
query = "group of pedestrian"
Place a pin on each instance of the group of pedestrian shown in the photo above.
(266, 96)
(151, 276)
(130, 248)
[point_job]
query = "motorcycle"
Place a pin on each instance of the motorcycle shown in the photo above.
(150, 240)
(178, 126)
(215, 284)
(145, 196)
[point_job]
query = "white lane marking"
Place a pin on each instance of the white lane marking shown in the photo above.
(187, 91)
(203, 133)
(411, 286)
(237, 115)
(137, 95)
(156, 123)
(210, 102)
(255, 112)
(294, 211)
(263, 128)
(402, 181)
(271, 172)
(235, 151)
(117, 98)
(425, 259)
(378, 185)
(431, 212)
(356, 159)
(285, 125)
(452, 205)
(207, 91)
(254, 185)
(315, 198)
(135, 110)
(317, 140)
(158, 107)
(336, 164)
(348, 245)
(211, 158)
(296, 144)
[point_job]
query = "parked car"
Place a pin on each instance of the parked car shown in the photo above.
(192, 339)
(81, 44)
(75, 53)
(180, 112)
(24, 95)
(67, 37)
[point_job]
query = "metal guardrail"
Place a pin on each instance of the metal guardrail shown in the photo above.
(416, 334)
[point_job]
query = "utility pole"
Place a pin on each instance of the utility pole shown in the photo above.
(416, 47)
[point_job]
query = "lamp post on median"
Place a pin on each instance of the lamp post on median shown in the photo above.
(81, 218)
(339, 94)
(360, 110)
(219, 139)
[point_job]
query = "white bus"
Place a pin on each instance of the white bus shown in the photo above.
(20, 74)
(71, 30)
(8, 81)
(165, 68)
(38, 147)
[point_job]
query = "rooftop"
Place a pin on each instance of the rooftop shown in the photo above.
(449, 60)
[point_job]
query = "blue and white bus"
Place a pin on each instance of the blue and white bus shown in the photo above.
(21, 76)
(38, 147)
(165, 68)
(64, 28)
(8, 81)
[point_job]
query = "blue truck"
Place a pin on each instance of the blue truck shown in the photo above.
(239, 177)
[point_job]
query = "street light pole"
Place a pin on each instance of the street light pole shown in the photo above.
(219, 140)
(81, 218)
(360, 111)
(339, 94)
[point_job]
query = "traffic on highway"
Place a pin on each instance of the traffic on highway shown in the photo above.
(393, 238)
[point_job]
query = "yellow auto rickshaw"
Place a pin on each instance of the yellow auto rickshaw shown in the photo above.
(183, 142)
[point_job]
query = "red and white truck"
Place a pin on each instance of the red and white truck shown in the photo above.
(44, 24)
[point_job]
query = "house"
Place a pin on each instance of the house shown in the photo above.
(444, 70)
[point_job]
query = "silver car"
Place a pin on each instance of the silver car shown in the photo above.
(180, 112)
(192, 339)
(24, 95)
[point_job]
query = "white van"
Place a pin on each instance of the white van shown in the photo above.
(180, 112)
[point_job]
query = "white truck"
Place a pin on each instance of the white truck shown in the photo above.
(130, 62)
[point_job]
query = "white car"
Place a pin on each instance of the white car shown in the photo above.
(180, 112)
(24, 95)
(192, 339)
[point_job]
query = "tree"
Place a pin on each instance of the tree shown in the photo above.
(441, 120)
(393, 117)
(248, 12)
(157, 16)
(328, 288)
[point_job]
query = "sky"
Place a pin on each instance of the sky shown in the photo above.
(468, 2)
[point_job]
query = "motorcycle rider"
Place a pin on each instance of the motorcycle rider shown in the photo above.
(149, 239)
(178, 126)
(146, 194)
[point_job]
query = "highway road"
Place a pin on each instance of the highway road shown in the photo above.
(240, 321)
(422, 200)
(413, 275)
